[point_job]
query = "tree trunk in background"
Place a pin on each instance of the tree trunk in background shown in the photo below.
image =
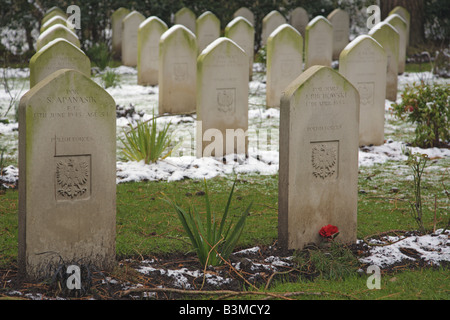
(416, 9)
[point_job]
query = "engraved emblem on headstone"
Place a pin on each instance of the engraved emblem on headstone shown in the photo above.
(180, 71)
(72, 177)
(365, 90)
(226, 100)
(324, 159)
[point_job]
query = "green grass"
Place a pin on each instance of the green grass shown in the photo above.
(421, 284)
(146, 224)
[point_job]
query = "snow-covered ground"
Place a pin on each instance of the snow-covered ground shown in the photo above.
(182, 164)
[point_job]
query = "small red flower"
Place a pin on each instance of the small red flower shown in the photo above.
(409, 108)
(329, 231)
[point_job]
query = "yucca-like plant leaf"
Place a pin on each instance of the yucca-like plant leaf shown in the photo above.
(213, 241)
(145, 142)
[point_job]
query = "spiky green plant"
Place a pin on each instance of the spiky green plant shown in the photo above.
(213, 241)
(145, 142)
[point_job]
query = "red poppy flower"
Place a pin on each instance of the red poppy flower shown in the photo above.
(328, 231)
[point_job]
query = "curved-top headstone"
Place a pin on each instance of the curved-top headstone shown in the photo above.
(67, 172)
(318, 42)
(52, 22)
(401, 26)
(363, 62)
(284, 62)
(207, 29)
(187, 18)
(389, 38)
(116, 29)
(149, 34)
(53, 12)
(270, 22)
(241, 31)
(299, 19)
(177, 71)
(57, 31)
(318, 170)
(222, 100)
(340, 20)
(246, 13)
(130, 26)
(55, 55)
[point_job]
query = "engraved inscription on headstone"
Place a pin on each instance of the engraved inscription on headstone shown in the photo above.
(67, 172)
(318, 170)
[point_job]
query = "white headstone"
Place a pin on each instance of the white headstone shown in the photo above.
(55, 55)
(340, 20)
(363, 62)
(402, 12)
(318, 42)
(52, 22)
(222, 100)
(241, 31)
(149, 34)
(388, 37)
(284, 62)
(187, 18)
(116, 28)
(318, 169)
(54, 32)
(246, 13)
(177, 70)
(401, 26)
(208, 29)
(270, 22)
(299, 20)
(130, 26)
(67, 172)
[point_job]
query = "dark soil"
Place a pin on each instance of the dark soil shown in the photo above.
(247, 271)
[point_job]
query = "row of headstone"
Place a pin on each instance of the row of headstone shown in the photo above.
(324, 116)
(57, 47)
(67, 147)
(67, 160)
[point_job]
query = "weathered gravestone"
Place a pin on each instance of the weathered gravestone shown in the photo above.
(402, 12)
(207, 29)
(53, 21)
(177, 70)
(187, 18)
(54, 32)
(246, 13)
(299, 20)
(318, 175)
(340, 20)
(388, 37)
(222, 100)
(116, 29)
(401, 26)
(363, 62)
(270, 22)
(67, 172)
(318, 42)
(130, 26)
(284, 62)
(51, 13)
(57, 54)
(241, 31)
(149, 34)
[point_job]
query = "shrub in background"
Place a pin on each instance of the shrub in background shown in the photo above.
(427, 107)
